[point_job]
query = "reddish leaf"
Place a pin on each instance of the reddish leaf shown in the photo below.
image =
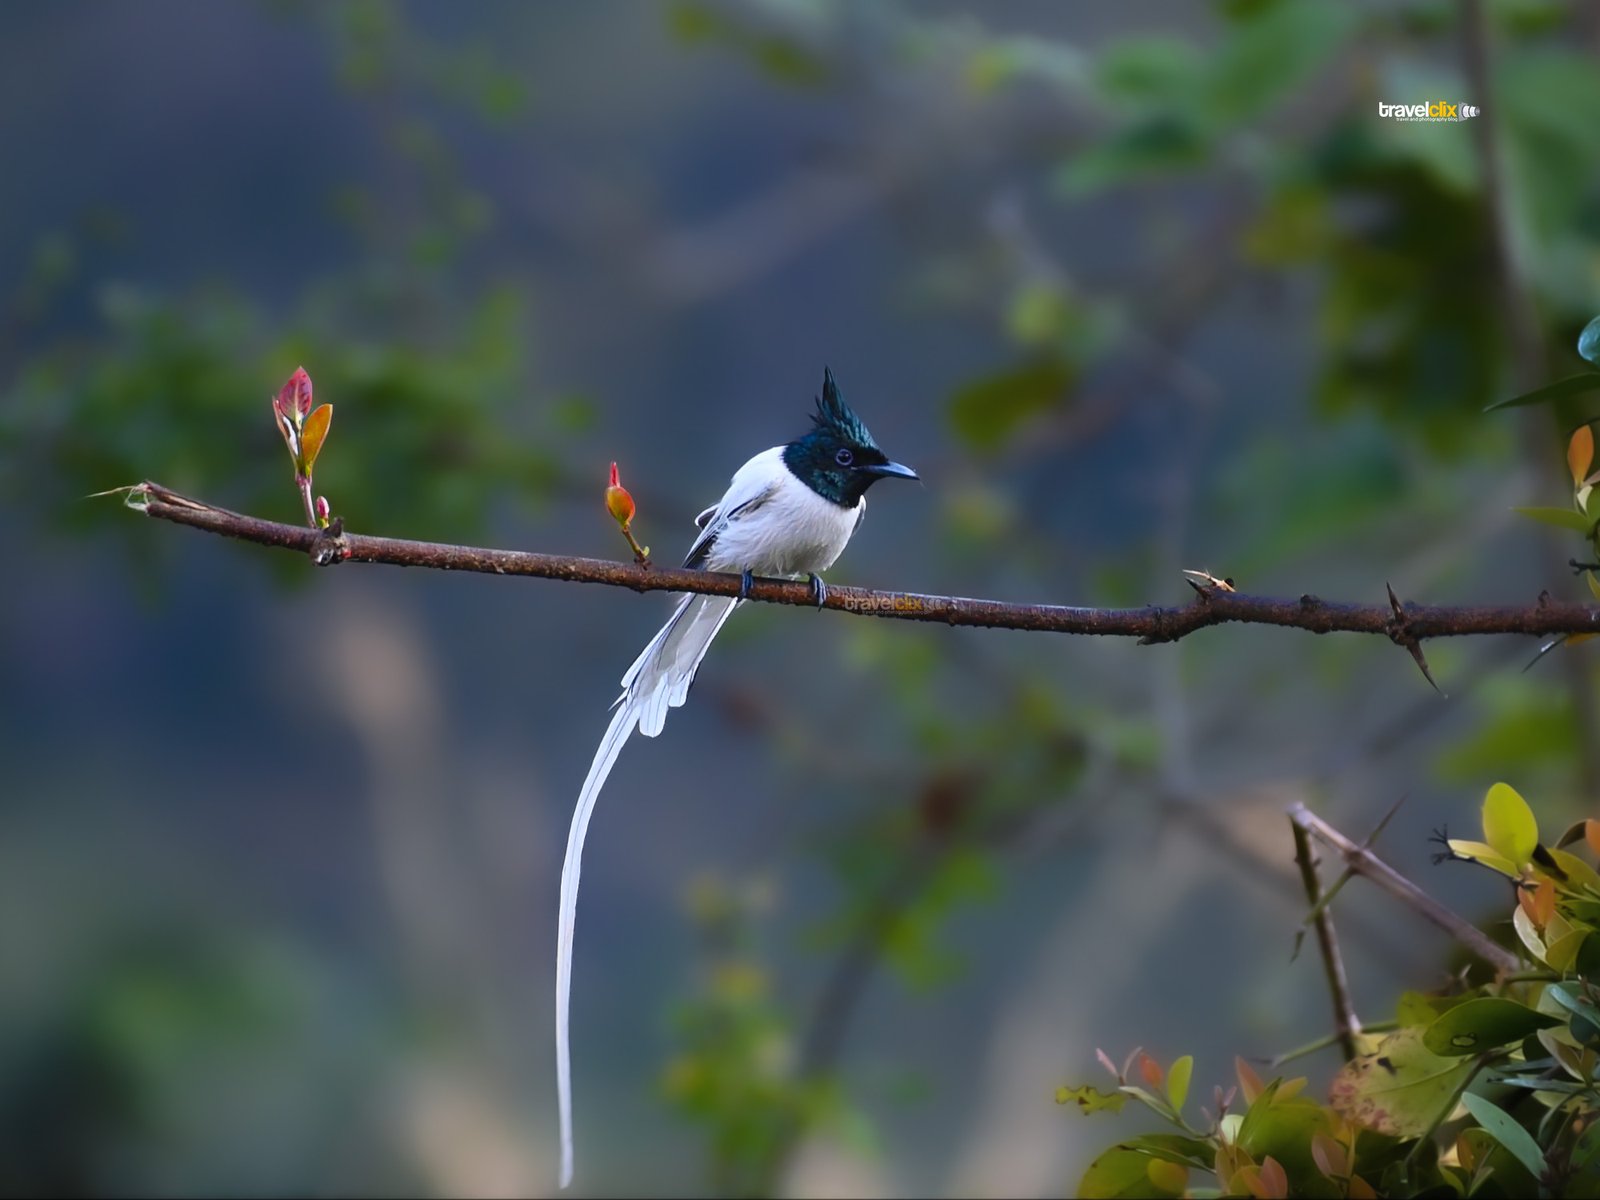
(1151, 1070)
(1591, 834)
(1250, 1085)
(294, 399)
(1329, 1156)
(1274, 1180)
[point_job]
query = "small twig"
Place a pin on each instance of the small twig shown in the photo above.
(303, 482)
(1322, 1043)
(1349, 873)
(1346, 1024)
(1149, 625)
(1370, 866)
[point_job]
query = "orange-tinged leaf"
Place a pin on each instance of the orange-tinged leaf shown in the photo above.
(1290, 1088)
(1331, 1157)
(316, 432)
(1591, 834)
(1360, 1189)
(1580, 452)
(1538, 901)
(1574, 638)
(1508, 823)
(1250, 1084)
(1274, 1180)
(1151, 1070)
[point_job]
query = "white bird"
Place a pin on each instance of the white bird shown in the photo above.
(789, 511)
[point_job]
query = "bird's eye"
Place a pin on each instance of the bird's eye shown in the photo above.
(845, 456)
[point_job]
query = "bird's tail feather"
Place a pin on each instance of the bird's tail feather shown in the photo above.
(659, 679)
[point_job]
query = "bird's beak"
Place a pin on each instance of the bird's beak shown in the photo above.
(884, 470)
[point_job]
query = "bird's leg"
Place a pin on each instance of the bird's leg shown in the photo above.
(819, 589)
(746, 581)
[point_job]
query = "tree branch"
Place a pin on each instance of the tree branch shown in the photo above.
(1367, 864)
(1346, 1023)
(1402, 624)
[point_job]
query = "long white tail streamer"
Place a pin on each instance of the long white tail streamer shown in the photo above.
(659, 679)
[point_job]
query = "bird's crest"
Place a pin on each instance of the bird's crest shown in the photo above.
(834, 415)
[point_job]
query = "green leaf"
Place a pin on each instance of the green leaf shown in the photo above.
(987, 411)
(1275, 51)
(1484, 855)
(1507, 1132)
(1564, 518)
(1091, 1099)
(1483, 1024)
(1572, 385)
(1508, 823)
(1159, 144)
(1400, 1088)
(1283, 1127)
(1589, 342)
(1175, 1148)
(1119, 1172)
(1178, 1081)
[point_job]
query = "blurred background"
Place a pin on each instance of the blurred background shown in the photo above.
(1137, 288)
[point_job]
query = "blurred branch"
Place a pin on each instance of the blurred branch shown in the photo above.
(1346, 1024)
(1368, 865)
(1405, 625)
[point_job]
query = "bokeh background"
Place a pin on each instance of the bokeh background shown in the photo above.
(1138, 288)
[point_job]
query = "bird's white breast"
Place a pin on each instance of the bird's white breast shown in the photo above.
(792, 531)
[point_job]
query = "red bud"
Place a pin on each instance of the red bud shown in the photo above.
(618, 503)
(323, 511)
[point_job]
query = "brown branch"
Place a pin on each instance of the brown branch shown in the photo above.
(1403, 624)
(1368, 865)
(1345, 1022)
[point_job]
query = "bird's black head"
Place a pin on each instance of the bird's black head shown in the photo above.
(838, 459)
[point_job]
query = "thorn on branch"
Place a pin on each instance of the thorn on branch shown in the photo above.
(331, 546)
(1400, 634)
(1578, 568)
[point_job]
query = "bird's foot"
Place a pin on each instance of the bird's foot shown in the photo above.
(746, 581)
(819, 589)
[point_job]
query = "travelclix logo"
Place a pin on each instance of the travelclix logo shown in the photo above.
(1429, 110)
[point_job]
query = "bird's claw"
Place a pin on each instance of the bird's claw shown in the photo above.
(746, 582)
(819, 589)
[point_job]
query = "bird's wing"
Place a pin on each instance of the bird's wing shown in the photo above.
(752, 486)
